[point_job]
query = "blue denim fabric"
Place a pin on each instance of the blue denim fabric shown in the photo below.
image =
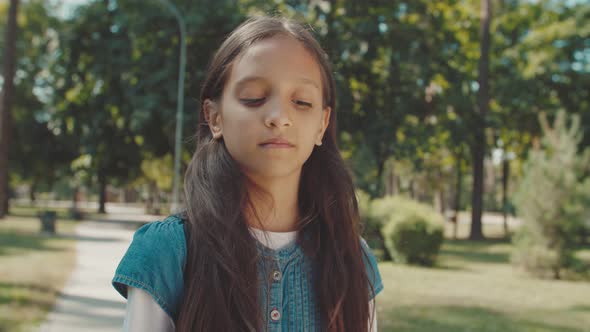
(155, 263)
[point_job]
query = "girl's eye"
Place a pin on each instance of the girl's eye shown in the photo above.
(252, 102)
(255, 102)
(303, 104)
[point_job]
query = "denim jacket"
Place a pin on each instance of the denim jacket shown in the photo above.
(156, 258)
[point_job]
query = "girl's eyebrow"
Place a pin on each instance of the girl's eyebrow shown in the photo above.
(245, 80)
(306, 80)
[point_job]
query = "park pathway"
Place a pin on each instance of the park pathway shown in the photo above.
(88, 302)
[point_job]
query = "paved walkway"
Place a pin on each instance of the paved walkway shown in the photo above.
(88, 302)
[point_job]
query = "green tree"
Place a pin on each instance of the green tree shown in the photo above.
(8, 70)
(92, 97)
(478, 148)
(41, 153)
(553, 198)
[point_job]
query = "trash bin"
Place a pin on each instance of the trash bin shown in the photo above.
(48, 221)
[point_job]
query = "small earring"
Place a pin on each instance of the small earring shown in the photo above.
(319, 143)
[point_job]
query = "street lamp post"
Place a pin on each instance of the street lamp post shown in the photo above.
(179, 106)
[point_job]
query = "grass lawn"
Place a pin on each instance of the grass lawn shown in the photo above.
(33, 269)
(62, 213)
(474, 288)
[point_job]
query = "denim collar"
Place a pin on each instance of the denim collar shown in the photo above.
(283, 255)
(293, 251)
(290, 252)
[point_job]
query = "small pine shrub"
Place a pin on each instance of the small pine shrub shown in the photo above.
(553, 200)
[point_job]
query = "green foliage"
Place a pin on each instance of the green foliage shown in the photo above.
(101, 85)
(159, 171)
(398, 207)
(364, 203)
(553, 199)
(39, 153)
(413, 240)
(371, 226)
(412, 232)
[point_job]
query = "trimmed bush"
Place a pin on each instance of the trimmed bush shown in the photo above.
(414, 240)
(371, 227)
(413, 232)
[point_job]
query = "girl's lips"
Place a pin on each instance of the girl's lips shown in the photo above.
(276, 145)
(277, 142)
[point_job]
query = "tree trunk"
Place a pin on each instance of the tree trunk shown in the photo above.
(102, 183)
(75, 210)
(584, 236)
(479, 144)
(153, 206)
(388, 181)
(443, 203)
(458, 188)
(156, 199)
(75, 198)
(6, 96)
(149, 204)
(391, 187)
(477, 190)
(441, 193)
(380, 180)
(505, 176)
(32, 189)
(6, 201)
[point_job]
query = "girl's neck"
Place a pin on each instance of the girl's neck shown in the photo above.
(284, 215)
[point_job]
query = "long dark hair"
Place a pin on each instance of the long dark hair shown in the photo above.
(221, 288)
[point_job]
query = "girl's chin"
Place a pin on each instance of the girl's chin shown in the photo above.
(272, 172)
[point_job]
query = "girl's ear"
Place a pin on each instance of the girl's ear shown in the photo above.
(325, 122)
(213, 117)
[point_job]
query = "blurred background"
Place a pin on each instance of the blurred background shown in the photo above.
(466, 124)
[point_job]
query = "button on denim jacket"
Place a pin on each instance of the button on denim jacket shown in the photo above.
(156, 258)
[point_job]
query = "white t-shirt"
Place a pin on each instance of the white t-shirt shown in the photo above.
(143, 314)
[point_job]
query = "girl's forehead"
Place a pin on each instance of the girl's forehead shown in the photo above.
(280, 56)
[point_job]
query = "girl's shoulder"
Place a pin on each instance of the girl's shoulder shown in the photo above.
(166, 232)
(155, 262)
(159, 239)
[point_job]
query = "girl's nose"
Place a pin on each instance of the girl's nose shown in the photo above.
(278, 115)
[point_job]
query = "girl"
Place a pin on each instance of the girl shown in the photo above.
(269, 240)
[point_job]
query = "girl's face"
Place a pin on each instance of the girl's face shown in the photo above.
(274, 91)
